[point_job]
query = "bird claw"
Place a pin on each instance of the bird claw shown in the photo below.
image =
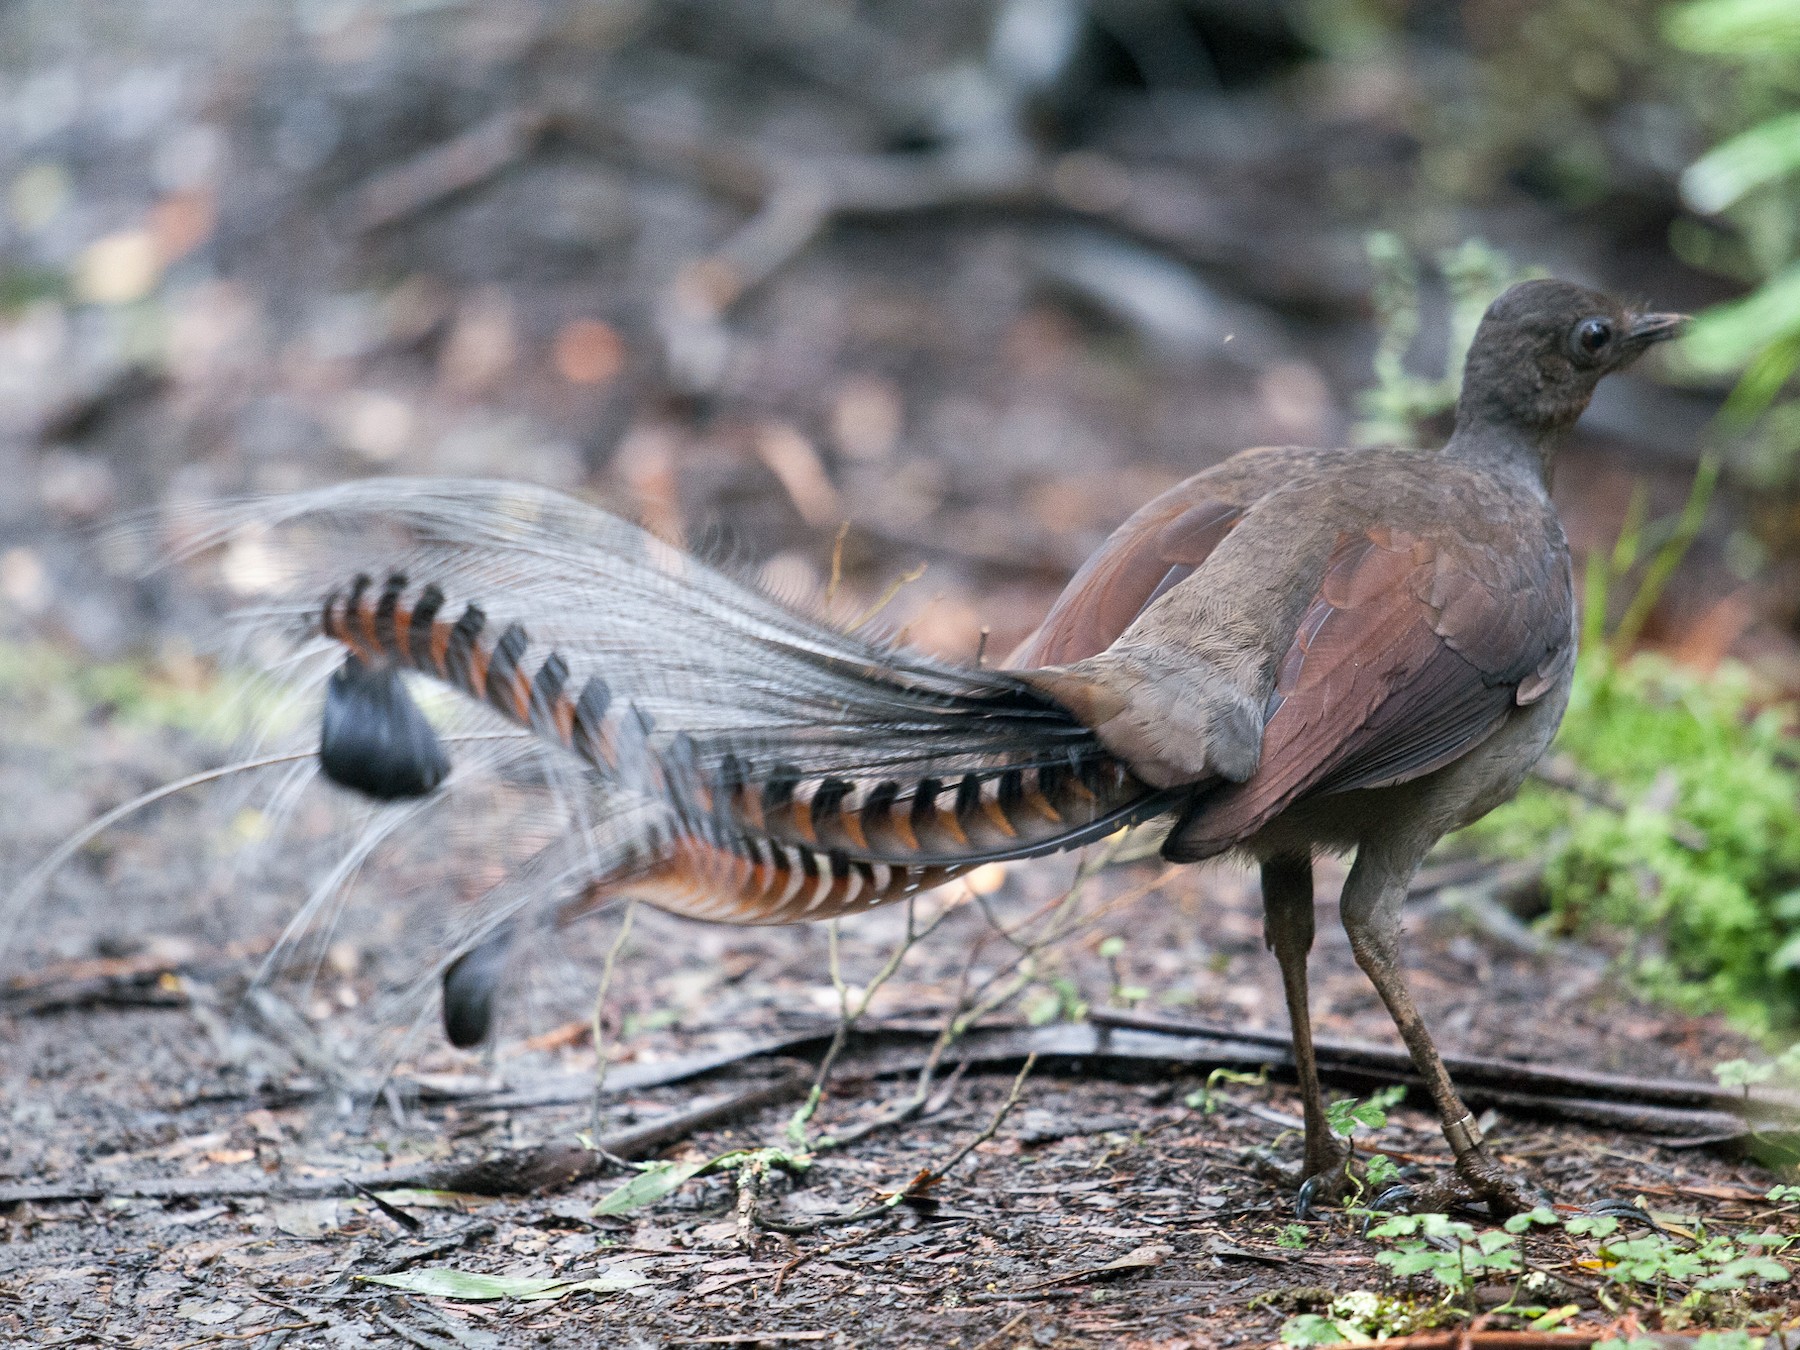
(1477, 1180)
(1484, 1180)
(1320, 1186)
(1399, 1196)
(1623, 1210)
(1312, 1186)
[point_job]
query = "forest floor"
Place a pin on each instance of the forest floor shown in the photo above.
(1110, 1206)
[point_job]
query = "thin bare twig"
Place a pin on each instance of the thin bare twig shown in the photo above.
(848, 1017)
(602, 1051)
(937, 1174)
(1012, 979)
(914, 1189)
(895, 586)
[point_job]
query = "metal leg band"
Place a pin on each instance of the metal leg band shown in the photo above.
(1464, 1135)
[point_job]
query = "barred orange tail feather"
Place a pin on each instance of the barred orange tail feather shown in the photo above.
(734, 759)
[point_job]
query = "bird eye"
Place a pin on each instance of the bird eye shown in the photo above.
(1590, 337)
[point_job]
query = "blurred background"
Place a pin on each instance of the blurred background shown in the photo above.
(930, 294)
(975, 278)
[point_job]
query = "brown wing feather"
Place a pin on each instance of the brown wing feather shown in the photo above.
(1159, 546)
(1406, 660)
(1165, 541)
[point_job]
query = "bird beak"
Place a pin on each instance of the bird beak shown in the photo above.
(1645, 330)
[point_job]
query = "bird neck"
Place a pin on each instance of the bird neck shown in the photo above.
(1505, 445)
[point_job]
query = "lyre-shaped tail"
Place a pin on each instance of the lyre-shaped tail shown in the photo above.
(804, 771)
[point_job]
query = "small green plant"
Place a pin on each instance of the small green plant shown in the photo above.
(1742, 1073)
(1057, 999)
(1345, 1114)
(656, 1180)
(1745, 193)
(1343, 1117)
(1729, 1340)
(1451, 1253)
(1308, 1329)
(1660, 1263)
(1121, 995)
(1357, 1317)
(1205, 1097)
(1294, 1237)
(1702, 1274)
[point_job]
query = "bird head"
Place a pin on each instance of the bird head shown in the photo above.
(1541, 349)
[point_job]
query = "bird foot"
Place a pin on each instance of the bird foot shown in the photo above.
(1323, 1179)
(1476, 1180)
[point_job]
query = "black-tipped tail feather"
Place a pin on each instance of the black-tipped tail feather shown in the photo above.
(469, 988)
(374, 738)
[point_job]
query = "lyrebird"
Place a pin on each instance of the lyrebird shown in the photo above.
(1298, 650)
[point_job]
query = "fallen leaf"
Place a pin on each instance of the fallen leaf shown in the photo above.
(209, 1312)
(444, 1282)
(1138, 1258)
(650, 1185)
(308, 1219)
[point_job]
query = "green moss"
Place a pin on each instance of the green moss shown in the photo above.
(1717, 926)
(171, 690)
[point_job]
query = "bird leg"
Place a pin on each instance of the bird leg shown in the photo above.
(1371, 903)
(1287, 886)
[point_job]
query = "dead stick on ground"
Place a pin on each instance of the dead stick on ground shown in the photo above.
(819, 1253)
(521, 1171)
(993, 1127)
(1500, 1073)
(999, 1335)
(602, 1051)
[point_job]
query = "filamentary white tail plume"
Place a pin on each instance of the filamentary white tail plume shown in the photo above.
(720, 754)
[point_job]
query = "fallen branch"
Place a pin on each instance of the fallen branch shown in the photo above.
(525, 1171)
(1680, 1113)
(1474, 1070)
(456, 165)
(1130, 1043)
(154, 985)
